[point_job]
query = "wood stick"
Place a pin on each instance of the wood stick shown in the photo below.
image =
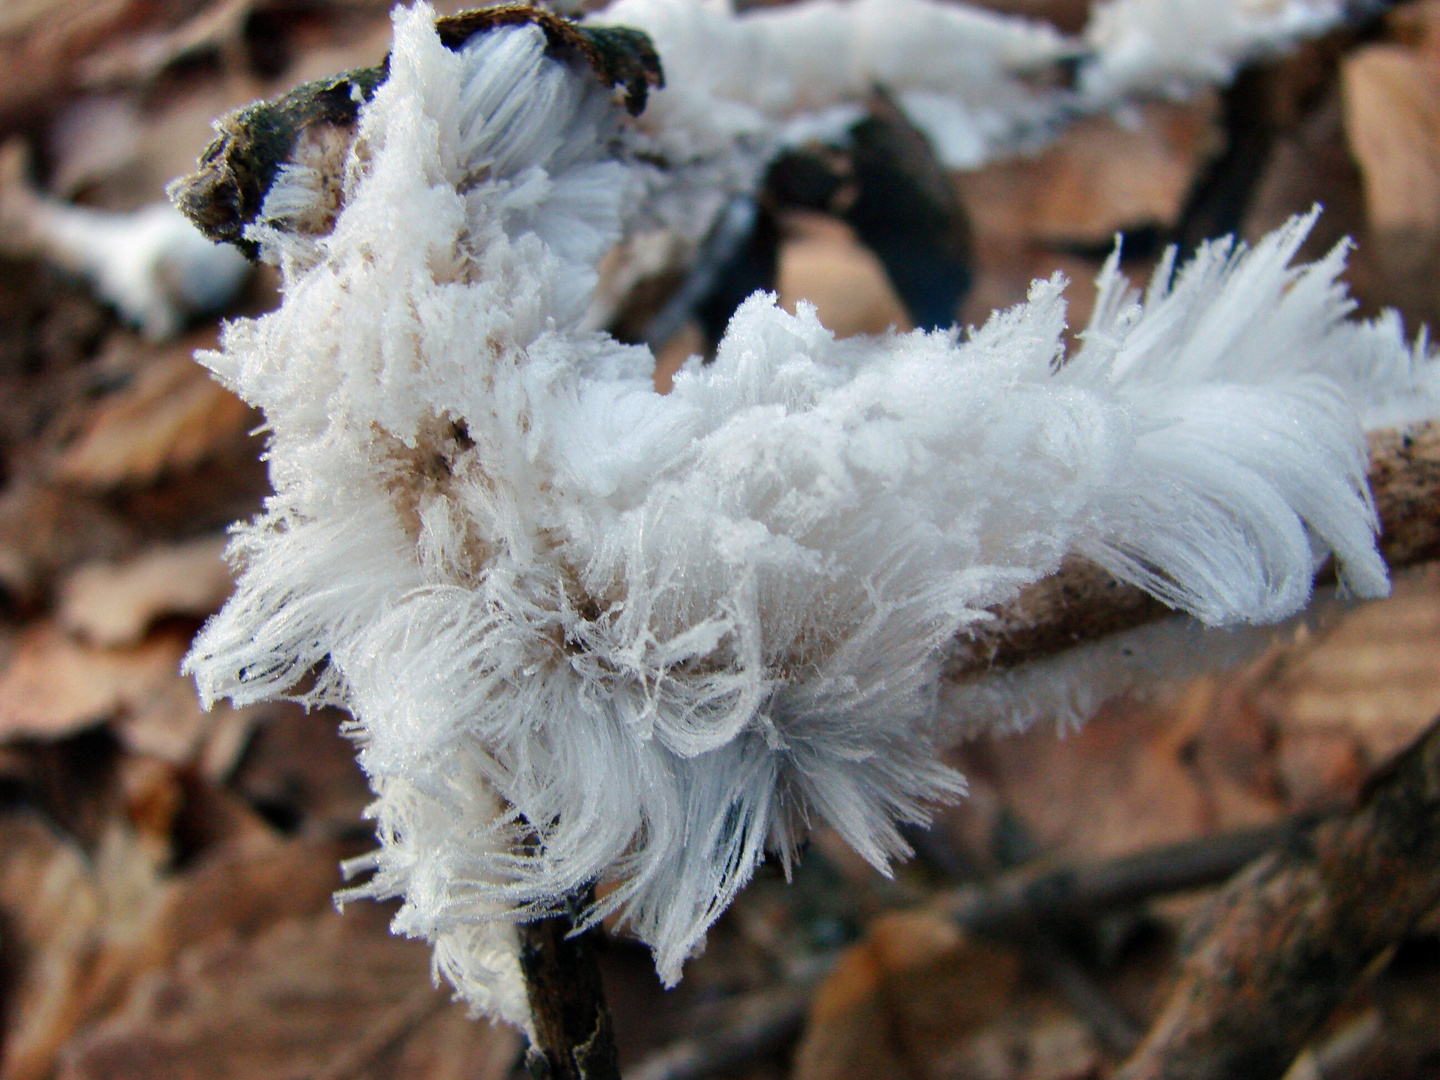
(1034, 894)
(1068, 976)
(574, 1038)
(1288, 938)
(1082, 603)
(753, 1025)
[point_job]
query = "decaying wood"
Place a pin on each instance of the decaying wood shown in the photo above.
(1083, 603)
(1405, 478)
(1288, 938)
(317, 120)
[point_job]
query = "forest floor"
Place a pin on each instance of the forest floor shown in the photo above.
(166, 875)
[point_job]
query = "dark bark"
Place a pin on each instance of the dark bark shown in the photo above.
(1287, 939)
(574, 1038)
(235, 172)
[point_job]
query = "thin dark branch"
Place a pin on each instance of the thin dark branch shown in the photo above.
(1047, 893)
(758, 1023)
(574, 1036)
(752, 1026)
(1111, 1025)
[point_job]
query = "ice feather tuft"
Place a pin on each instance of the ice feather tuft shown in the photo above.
(1171, 46)
(588, 633)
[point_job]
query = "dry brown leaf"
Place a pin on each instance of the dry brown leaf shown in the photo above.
(1099, 178)
(114, 604)
(53, 686)
(1373, 678)
(40, 41)
(903, 998)
(72, 915)
(172, 417)
(1392, 117)
(1392, 120)
(322, 997)
(243, 887)
(1138, 774)
(686, 342)
(87, 930)
(50, 908)
(44, 529)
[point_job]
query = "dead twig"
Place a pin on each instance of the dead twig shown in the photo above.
(1042, 893)
(574, 1037)
(760, 1022)
(753, 1025)
(1106, 1019)
(1290, 936)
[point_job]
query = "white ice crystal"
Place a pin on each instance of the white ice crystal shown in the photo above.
(963, 71)
(980, 84)
(1172, 46)
(589, 633)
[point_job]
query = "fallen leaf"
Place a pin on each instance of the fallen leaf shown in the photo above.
(244, 888)
(1101, 176)
(905, 996)
(1138, 774)
(823, 262)
(172, 417)
(1374, 676)
(40, 42)
(83, 931)
(1392, 117)
(328, 996)
(44, 529)
(114, 604)
(54, 686)
(50, 908)
(1392, 120)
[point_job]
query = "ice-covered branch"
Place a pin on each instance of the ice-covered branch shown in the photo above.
(591, 634)
(1082, 603)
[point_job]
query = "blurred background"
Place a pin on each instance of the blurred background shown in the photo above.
(166, 875)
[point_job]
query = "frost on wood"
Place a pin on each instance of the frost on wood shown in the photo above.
(592, 634)
(979, 83)
(1170, 45)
